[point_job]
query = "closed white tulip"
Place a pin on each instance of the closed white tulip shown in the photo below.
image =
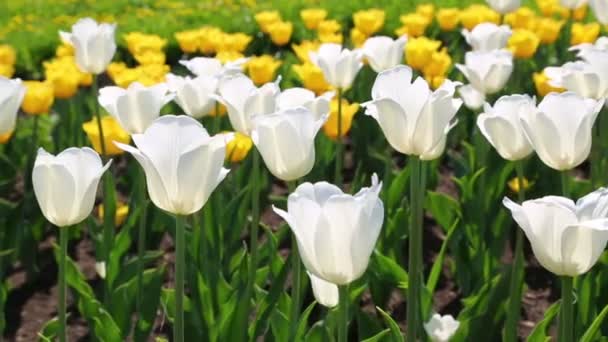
(472, 98)
(588, 78)
(193, 95)
(383, 52)
(11, 95)
(136, 107)
(209, 66)
(301, 97)
(560, 129)
(65, 185)
(335, 232)
(183, 164)
(600, 44)
(339, 66)
(600, 9)
(325, 292)
(572, 4)
(567, 239)
(244, 100)
(504, 6)
(501, 125)
(414, 119)
(487, 71)
(487, 37)
(94, 44)
(441, 328)
(286, 141)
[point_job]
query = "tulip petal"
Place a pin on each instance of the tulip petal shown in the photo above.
(393, 121)
(582, 244)
(325, 292)
(55, 189)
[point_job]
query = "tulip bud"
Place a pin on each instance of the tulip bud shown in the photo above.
(312, 77)
(383, 53)
(504, 6)
(300, 97)
(93, 43)
(280, 32)
(11, 95)
(335, 232)
(523, 43)
(339, 66)
(369, 21)
(584, 33)
(267, 18)
(348, 112)
(183, 164)
(312, 17)
(193, 95)
(238, 146)
(325, 292)
(588, 78)
(441, 328)
(487, 37)
(448, 18)
(65, 185)
(39, 97)
(262, 69)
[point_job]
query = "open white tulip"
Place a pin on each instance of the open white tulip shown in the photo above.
(487, 37)
(339, 66)
(209, 66)
(11, 95)
(136, 107)
(325, 292)
(560, 129)
(414, 119)
(504, 6)
(244, 100)
(301, 97)
(501, 125)
(567, 239)
(383, 52)
(600, 9)
(286, 141)
(441, 328)
(183, 164)
(335, 232)
(193, 95)
(487, 71)
(572, 4)
(600, 44)
(588, 78)
(65, 185)
(94, 44)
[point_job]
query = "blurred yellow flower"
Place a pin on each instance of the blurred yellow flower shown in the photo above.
(522, 18)
(312, 77)
(548, 29)
(303, 49)
(115, 68)
(414, 25)
(541, 82)
(266, 18)
(141, 43)
(228, 56)
(5, 137)
(329, 27)
(233, 42)
(111, 132)
(7, 54)
(331, 38)
(369, 21)
(38, 97)
(210, 38)
(221, 109)
(418, 51)
(188, 40)
(438, 65)
(514, 184)
(448, 18)
(357, 37)
(122, 211)
(150, 57)
(238, 148)
(262, 69)
(312, 17)
(550, 7)
(280, 32)
(7, 70)
(523, 43)
(330, 128)
(580, 13)
(64, 49)
(584, 33)
(427, 10)
(476, 14)
(65, 85)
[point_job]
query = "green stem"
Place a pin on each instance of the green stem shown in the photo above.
(255, 224)
(180, 263)
(141, 240)
(63, 245)
(417, 188)
(102, 142)
(343, 314)
(339, 143)
(564, 179)
(217, 120)
(567, 311)
(296, 288)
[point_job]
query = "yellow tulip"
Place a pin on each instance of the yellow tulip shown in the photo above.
(188, 40)
(331, 38)
(111, 132)
(329, 27)
(548, 29)
(266, 18)
(369, 21)
(414, 25)
(419, 51)
(238, 148)
(541, 82)
(210, 39)
(280, 32)
(476, 14)
(357, 37)
(5, 137)
(426, 10)
(330, 128)
(64, 50)
(115, 68)
(522, 18)
(435, 81)
(584, 33)
(65, 85)
(228, 56)
(312, 17)
(233, 42)
(152, 74)
(122, 211)
(438, 65)
(38, 97)
(150, 57)
(312, 77)
(7, 70)
(514, 184)
(304, 48)
(261, 69)
(8, 55)
(448, 18)
(580, 13)
(523, 43)
(139, 43)
(550, 7)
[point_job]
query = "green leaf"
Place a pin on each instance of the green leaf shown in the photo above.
(593, 329)
(318, 333)
(396, 335)
(378, 337)
(539, 334)
(49, 330)
(270, 300)
(387, 269)
(303, 322)
(443, 208)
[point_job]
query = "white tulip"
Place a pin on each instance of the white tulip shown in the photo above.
(567, 239)
(487, 37)
(136, 107)
(472, 98)
(600, 44)
(572, 4)
(209, 66)
(325, 293)
(335, 232)
(501, 125)
(183, 164)
(301, 97)
(193, 95)
(441, 328)
(65, 185)
(11, 95)
(487, 71)
(244, 100)
(383, 52)
(94, 44)
(339, 66)
(504, 6)
(414, 119)
(286, 141)
(588, 78)
(600, 9)
(560, 129)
